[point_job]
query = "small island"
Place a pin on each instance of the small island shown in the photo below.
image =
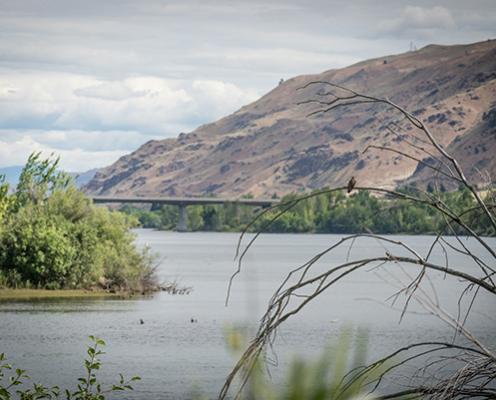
(55, 243)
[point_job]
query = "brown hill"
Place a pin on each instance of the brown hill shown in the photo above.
(476, 152)
(272, 146)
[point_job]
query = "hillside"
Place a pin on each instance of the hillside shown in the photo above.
(272, 147)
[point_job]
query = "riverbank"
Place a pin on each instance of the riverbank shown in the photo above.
(38, 294)
(332, 212)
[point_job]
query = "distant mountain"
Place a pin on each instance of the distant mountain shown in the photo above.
(272, 146)
(12, 175)
(83, 178)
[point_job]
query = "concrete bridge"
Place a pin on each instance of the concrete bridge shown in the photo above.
(182, 203)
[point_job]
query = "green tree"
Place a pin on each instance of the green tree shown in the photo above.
(53, 237)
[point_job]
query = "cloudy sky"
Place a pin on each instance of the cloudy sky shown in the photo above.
(91, 80)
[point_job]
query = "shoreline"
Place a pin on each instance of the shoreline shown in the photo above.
(41, 294)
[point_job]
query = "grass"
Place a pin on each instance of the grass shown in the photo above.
(34, 294)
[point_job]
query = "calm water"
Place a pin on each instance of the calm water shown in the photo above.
(175, 357)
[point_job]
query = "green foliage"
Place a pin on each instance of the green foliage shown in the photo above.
(36, 248)
(228, 217)
(52, 236)
(144, 218)
(4, 197)
(38, 179)
(15, 383)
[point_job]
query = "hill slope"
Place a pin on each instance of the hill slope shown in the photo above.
(272, 146)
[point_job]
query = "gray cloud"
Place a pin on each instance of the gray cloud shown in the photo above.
(93, 141)
(122, 71)
(143, 103)
(117, 91)
(417, 21)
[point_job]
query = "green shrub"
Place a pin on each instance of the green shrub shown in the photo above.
(37, 248)
(53, 237)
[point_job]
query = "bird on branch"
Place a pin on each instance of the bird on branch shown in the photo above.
(351, 184)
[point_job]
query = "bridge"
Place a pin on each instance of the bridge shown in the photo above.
(183, 202)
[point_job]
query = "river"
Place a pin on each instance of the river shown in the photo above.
(176, 357)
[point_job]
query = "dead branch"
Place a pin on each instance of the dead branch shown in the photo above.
(476, 376)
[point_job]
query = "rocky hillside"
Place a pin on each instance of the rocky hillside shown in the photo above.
(272, 146)
(476, 151)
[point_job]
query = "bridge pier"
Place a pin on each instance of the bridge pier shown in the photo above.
(182, 224)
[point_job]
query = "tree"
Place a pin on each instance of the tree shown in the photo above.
(53, 237)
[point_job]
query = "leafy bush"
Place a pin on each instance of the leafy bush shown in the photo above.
(53, 237)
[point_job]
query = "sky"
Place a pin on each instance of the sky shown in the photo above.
(92, 80)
